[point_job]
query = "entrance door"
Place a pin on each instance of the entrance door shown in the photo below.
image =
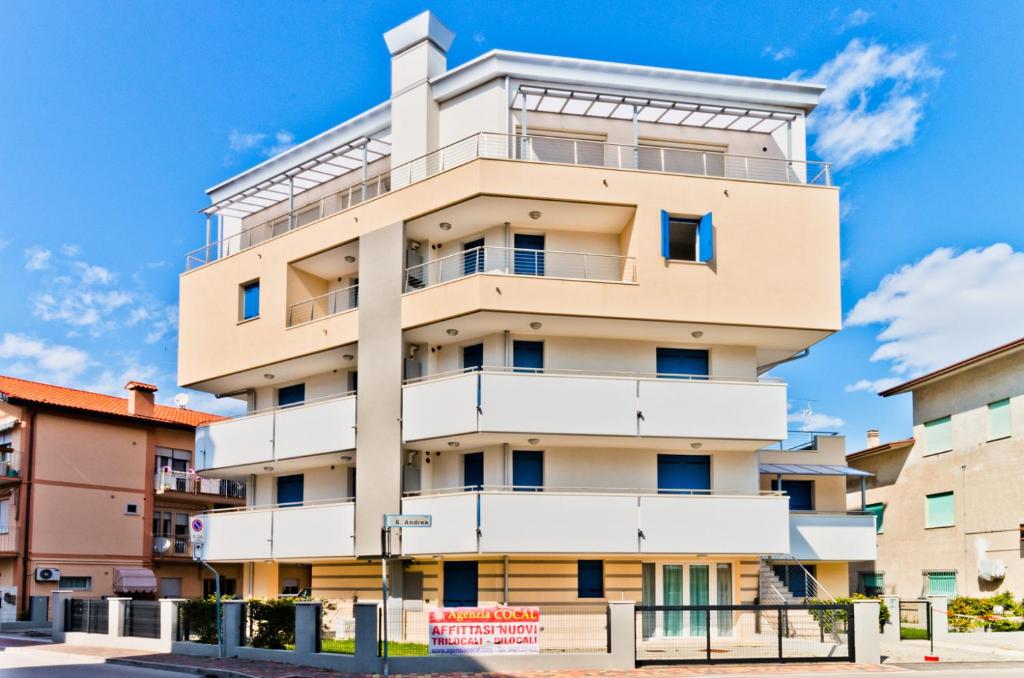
(460, 584)
(672, 594)
(290, 490)
(473, 471)
(528, 258)
(678, 473)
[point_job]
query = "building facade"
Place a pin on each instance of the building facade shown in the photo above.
(96, 491)
(534, 298)
(951, 515)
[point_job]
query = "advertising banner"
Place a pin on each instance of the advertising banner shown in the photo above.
(485, 630)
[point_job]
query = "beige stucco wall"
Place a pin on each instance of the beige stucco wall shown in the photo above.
(989, 504)
(774, 243)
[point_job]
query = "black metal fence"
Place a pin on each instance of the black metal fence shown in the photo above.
(679, 634)
(142, 619)
(86, 615)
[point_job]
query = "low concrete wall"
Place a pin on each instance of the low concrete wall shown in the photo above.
(119, 642)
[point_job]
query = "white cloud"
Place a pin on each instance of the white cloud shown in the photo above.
(4, 243)
(91, 275)
(70, 250)
(809, 420)
(946, 307)
(37, 258)
(778, 54)
(38, 359)
(873, 102)
(265, 144)
(872, 386)
(855, 19)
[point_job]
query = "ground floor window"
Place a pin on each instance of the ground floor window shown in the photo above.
(227, 587)
(941, 583)
(76, 583)
(687, 584)
(170, 587)
(871, 583)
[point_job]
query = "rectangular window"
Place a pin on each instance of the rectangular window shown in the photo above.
(227, 587)
(681, 362)
(5, 516)
(683, 473)
(590, 579)
(999, 419)
(290, 490)
(940, 510)
(249, 305)
(291, 395)
(131, 509)
(878, 511)
(528, 256)
(871, 583)
(942, 583)
(528, 356)
(687, 238)
(800, 492)
(938, 434)
(76, 583)
(527, 471)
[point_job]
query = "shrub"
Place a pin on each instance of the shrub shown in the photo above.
(827, 617)
(966, 613)
(271, 622)
(199, 619)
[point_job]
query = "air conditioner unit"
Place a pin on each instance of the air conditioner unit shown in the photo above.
(48, 574)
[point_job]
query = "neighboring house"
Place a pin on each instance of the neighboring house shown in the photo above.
(533, 297)
(95, 492)
(949, 500)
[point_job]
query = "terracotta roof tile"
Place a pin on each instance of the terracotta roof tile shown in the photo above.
(33, 391)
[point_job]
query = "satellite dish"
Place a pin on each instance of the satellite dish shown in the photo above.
(181, 400)
(161, 545)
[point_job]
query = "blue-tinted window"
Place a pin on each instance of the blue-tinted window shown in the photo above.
(801, 493)
(461, 583)
(527, 470)
(473, 257)
(528, 256)
(290, 490)
(528, 356)
(473, 471)
(590, 579)
(682, 362)
(473, 357)
(679, 473)
(250, 300)
(291, 395)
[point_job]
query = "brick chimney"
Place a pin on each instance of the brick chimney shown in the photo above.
(140, 398)
(873, 438)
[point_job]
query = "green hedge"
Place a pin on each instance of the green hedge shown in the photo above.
(840, 615)
(271, 622)
(199, 619)
(978, 613)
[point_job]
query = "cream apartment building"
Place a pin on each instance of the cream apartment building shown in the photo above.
(535, 298)
(950, 508)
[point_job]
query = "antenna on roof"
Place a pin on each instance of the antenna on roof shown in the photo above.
(181, 400)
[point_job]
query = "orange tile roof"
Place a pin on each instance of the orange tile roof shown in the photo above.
(13, 388)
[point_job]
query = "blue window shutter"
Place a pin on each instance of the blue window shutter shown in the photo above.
(664, 234)
(705, 236)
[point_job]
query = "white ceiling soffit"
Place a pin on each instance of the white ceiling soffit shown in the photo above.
(620, 107)
(329, 155)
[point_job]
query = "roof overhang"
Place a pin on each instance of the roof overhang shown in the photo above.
(949, 370)
(325, 157)
(813, 470)
(881, 449)
(647, 81)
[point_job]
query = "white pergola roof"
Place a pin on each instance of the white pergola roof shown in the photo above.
(621, 107)
(331, 164)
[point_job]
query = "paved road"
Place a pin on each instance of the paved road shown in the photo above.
(16, 664)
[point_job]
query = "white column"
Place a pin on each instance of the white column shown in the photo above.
(169, 619)
(118, 608)
(891, 633)
(867, 640)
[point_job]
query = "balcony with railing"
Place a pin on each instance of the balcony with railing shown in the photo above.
(323, 306)
(489, 260)
(191, 483)
(170, 545)
(315, 427)
(318, 529)
(576, 402)
(526, 148)
(832, 535)
(588, 520)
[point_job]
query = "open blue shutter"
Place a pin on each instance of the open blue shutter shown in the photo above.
(664, 234)
(705, 235)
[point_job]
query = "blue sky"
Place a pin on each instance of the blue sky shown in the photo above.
(117, 115)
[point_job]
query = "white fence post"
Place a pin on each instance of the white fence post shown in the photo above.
(891, 633)
(116, 611)
(169, 619)
(867, 647)
(622, 633)
(940, 621)
(57, 602)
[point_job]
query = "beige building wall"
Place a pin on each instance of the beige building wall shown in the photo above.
(989, 506)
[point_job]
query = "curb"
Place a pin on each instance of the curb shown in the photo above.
(178, 668)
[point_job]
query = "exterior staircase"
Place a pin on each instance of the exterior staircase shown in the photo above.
(773, 591)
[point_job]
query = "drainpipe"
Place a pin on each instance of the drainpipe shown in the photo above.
(863, 494)
(25, 521)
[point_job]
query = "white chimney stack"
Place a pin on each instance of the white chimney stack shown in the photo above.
(873, 438)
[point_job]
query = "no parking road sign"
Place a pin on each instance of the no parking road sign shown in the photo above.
(197, 530)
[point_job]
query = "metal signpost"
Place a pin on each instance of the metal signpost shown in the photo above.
(197, 534)
(392, 521)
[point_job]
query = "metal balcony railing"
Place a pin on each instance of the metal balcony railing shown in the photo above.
(529, 148)
(525, 262)
(797, 441)
(323, 306)
(171, 544)
(190, 482)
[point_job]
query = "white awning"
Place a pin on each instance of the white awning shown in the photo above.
(813, 470)
(662, 111)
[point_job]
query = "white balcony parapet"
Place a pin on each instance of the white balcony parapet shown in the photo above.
(323, 306)
(190, 482)
(314, 427)
(823, 535)
(320, 529)
(579, 520)
(490, 260)
(568, 402)
(529, 148)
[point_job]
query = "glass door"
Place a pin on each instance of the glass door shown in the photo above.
(723, 590)
(648, 591)
(698, 596)
(672, 594)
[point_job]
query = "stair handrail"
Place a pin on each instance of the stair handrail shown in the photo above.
(819, 588)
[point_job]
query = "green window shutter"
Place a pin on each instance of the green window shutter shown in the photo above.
(940, 510)
(999, 419)
(938, 435)
(878, 511)
(942, 584)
